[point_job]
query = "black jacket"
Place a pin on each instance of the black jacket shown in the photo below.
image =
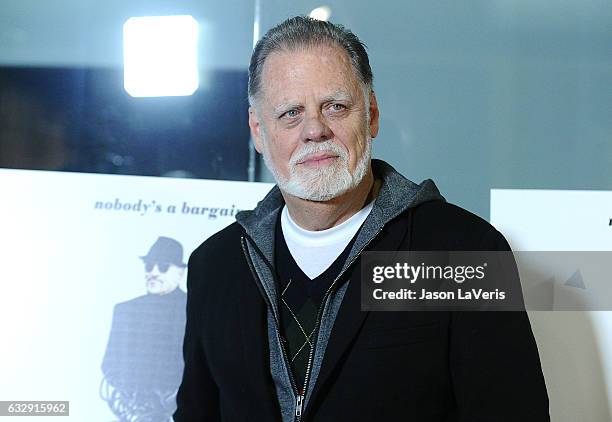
(378, 366)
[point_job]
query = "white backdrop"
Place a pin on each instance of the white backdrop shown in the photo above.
(575, 347)
(66, 263)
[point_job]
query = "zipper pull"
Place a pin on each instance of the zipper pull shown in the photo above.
(299, 404)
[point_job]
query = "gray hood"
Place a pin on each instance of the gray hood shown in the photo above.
(396, 195)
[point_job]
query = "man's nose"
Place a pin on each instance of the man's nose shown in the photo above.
(315, 128)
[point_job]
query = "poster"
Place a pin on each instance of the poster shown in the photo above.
(93, 293)
(575, 346)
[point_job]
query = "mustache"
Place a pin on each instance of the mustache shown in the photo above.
(316, 148)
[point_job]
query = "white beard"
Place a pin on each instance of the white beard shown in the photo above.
(320, 183)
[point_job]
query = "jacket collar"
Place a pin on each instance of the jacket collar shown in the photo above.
(395, 196)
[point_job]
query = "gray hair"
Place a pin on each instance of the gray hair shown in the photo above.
(302, 32)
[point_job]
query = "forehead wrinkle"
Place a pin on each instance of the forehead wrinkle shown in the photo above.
(273, 82)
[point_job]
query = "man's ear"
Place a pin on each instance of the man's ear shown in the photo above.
(374, 115)
(255, 126)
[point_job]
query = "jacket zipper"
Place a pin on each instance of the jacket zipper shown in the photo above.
(299, 403)
(322, 309)
(300, 395)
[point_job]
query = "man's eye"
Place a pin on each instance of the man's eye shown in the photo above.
(338, 107)
(291, 114)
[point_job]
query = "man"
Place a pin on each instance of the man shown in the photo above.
(142, 365)
(274, 326)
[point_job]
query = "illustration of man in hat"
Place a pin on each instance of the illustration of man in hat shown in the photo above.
(142, 365)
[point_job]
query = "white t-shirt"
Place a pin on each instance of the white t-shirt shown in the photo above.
(315, 251)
